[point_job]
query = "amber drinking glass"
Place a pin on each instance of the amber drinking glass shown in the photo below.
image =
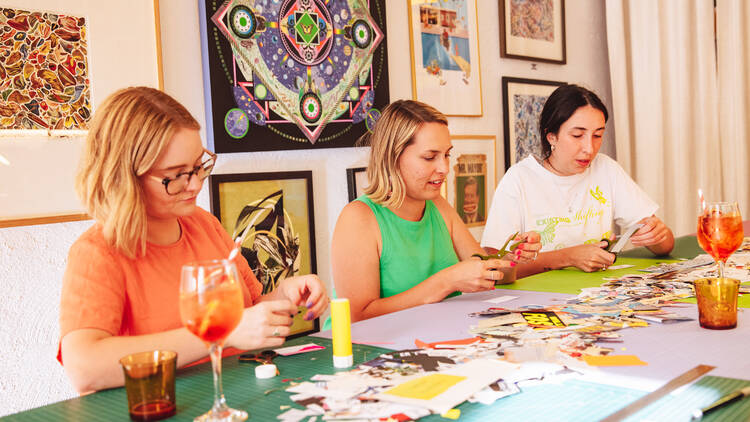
(211, 306)
(149, 383)
(720, 231)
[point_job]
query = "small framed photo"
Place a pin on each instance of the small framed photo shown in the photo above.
(471, 179)
(276, 209)
(356, 180)
(523, 100)
(444, 51)
(533, 30)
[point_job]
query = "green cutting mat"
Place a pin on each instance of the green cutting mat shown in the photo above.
(263, 399)
(678, 407)
(194, 389)
(572, 280)
(684, 247)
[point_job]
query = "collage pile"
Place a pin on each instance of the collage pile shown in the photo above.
(511, 348)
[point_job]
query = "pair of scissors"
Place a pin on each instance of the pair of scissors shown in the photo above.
(621, 241)
(264, 357)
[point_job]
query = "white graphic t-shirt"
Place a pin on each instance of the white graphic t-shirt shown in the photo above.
(565, 210)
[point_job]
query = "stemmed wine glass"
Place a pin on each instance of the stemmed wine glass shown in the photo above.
(211, 306)
(720, 231)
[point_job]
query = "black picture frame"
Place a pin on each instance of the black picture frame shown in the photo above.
(353, 176)
(521, 133)
(240, 118)
(286, 223)
(533, 49)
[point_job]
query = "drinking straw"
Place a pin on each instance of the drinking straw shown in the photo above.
(703, 200)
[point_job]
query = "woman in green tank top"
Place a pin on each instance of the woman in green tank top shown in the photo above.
(402, 244)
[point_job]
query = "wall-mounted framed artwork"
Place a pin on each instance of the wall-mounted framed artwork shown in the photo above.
(276, 210)
(63, 60)
(471, 179)
(533, 30)
(523, 100)
(356, 182)
(445, 56)
(293, 74)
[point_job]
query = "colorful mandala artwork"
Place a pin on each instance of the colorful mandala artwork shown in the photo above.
(294, 74)
(44, 82)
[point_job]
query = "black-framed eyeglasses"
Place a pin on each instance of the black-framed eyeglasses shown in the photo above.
(180, 182)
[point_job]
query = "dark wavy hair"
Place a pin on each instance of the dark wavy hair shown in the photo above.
(563, 102)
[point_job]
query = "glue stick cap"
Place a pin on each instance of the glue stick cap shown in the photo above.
(343, 361)
(265, 371)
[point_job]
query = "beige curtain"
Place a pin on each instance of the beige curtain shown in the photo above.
(665, 102)
(733, 48)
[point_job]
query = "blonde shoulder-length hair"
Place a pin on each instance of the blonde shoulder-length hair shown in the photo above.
(129, 131)
(394, 131)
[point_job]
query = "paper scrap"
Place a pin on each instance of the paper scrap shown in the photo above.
(447, 343)
(614, 360)
(476, 374)
(620, 267)
(302, 348)
(501, 299)
(452, 414)
(427, 387)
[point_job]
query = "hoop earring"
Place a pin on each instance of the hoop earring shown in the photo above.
(551, 147)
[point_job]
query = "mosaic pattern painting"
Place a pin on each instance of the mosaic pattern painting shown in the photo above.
(43, 71)
(526, 112)
(295, 74)
(532, 19)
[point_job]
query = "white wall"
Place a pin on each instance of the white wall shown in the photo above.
(32, 258)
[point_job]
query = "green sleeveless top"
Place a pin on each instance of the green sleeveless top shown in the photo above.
(412, 251)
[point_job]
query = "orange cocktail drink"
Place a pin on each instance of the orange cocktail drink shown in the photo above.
(212, 315)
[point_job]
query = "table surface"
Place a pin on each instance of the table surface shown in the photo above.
(668, 349)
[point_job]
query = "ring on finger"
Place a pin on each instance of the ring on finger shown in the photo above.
(536, 253)
(276, 332)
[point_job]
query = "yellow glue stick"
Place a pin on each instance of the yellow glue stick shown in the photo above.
(341, 330)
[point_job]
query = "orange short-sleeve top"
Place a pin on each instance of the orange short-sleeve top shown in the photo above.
(104, 289)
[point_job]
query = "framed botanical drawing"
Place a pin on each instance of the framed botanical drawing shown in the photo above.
(471, 179)
(523, 100)
(274, 213)
(533, 30)
(445, 55)
(356, 180)
(292, 74)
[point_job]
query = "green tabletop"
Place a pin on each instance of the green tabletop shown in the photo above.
(261, 398)
(684, 247)
(572, 280)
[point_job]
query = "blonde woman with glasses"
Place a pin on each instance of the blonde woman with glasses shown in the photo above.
(141, 172)
(402, 244)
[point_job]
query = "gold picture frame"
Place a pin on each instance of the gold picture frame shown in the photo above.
(444, 50)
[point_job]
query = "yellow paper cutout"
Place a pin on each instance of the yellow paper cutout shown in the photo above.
(452, 414)
(614, 360)
(427, 387)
